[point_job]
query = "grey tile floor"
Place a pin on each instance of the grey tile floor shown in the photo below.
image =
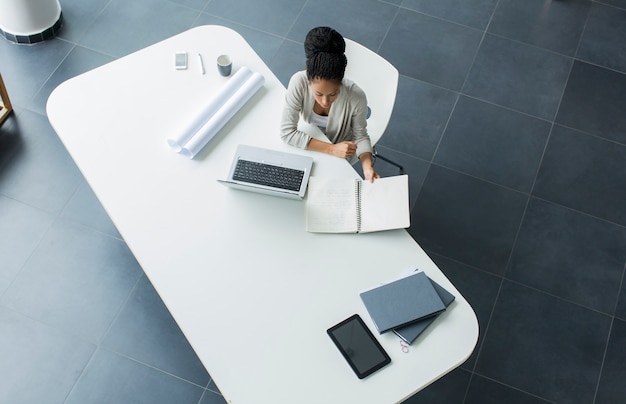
(509, 120)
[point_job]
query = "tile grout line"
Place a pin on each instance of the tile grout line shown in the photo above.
(608, 339)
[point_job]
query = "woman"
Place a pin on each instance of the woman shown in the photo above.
(324, 98)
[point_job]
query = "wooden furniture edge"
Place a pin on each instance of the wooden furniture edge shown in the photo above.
(5, 102)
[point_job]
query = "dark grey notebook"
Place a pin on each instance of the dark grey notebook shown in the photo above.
(402, 302)
(410, 332)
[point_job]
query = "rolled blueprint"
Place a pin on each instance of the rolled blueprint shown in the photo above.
(233, 104)
(191, 127)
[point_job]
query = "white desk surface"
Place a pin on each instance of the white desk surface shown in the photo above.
(252, 291)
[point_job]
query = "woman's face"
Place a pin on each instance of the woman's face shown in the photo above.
(325, 92)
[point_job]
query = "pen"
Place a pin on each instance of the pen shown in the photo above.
(201, 64)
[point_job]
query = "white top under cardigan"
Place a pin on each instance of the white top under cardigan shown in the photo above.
(346, 119)
(321, 121)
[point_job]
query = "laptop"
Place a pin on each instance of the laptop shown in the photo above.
(269, 172)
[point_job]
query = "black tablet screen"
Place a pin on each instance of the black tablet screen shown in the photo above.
(359, 346)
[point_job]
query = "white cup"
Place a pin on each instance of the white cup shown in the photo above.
(224, 65)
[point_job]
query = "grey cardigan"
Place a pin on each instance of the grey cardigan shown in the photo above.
(346, 119)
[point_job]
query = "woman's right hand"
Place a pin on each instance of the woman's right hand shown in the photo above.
(343, 149)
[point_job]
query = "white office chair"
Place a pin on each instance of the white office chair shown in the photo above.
(379, 79)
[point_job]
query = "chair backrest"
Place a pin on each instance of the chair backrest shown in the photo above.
(379, 79)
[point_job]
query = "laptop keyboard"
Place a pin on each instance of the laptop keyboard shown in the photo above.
(268, 175)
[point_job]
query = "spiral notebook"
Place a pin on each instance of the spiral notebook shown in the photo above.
(346, 205)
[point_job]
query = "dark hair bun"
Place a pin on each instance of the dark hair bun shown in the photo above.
(323, 39)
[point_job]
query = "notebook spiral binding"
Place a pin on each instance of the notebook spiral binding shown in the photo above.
(357, 191)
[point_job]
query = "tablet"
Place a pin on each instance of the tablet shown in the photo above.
(358, 346)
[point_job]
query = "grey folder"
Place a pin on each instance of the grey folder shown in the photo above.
(403, 301)
(410, 332)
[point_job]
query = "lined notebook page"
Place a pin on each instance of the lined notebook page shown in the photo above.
(385, 204)
(331, 205)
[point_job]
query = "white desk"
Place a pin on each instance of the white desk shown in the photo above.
(253, 292)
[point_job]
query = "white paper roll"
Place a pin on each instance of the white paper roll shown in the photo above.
(190, 127)
(222, 115)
